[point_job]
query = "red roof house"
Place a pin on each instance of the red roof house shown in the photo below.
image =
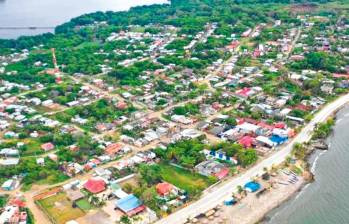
(280, 125)
(17, 202)
(339, 75)
(112, 149)
(164, 188)
(121, 105)
(256, 53)
(95, 185)
(221, 174)
(265, 126)
(245, 92)
(217, 106)
(47, 146)
(246, 141)
(302, 107)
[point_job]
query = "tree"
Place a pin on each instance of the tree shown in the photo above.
(151, 174)
(231, 121)
(125, 220)
(247, 157)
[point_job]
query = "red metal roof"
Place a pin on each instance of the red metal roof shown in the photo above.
(221, 174)
(112, 149)
(163, 188)
(280, 125)
(95, 185)
(18, 202)
(47, 146)
(246, 141)
(265, 125)
(136, 210)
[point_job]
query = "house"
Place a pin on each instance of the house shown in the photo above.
(248, 127)
(103, 173)
(40, 161)
(9, 152)
(130, 205)
(47, 146)
(244, 93)
(202, 125)
(8, 213)
(122, 105)
(9, 161)
(10, 185)
(164, 189)
(327, 88)
(113, 149)
(181, 119)
(211, 167)
(190, 133)
(265, 141)
(74, 195)
(95, 185)
(150, 135)
(216, 130)
(246, 141)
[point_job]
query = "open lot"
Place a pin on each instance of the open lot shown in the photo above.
(184, 179)
(60, 209)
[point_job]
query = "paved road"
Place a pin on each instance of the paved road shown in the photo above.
(218, 195)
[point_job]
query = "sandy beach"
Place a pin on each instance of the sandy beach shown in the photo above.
(253, 207)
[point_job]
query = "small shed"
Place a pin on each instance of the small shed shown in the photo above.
(74, 195)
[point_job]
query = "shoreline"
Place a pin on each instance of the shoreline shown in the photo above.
(215, 198)
(289, 197)
(311, 169)
(254, 209)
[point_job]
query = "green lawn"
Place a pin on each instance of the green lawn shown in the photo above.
(84, 204)
(193, 183)
(59, 208)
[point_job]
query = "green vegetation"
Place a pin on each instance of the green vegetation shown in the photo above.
(193, 183)
(84, 205)
(300, 151)
(34, 173)
(186, 153)
(150, 174)
(189, 108)
(3, 200)
(100, 111)
(320, 61)
(130, 75)
(60, 209)
(61, 94)
(322, 130)
(245, 157)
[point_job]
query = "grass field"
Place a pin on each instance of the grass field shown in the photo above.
(193, 183)
(60, 209)
(84, 204)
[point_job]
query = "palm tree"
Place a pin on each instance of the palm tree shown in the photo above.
(240, 189)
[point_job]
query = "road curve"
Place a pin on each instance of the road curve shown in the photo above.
(220, 193)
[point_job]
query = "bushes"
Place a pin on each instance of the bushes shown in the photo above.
(322, 130)
(189, 108)
(247, 157)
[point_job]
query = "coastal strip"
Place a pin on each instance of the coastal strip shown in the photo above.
(218, 195)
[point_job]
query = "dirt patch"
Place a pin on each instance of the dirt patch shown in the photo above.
(303, 8)
(59, 209)
(94, 217)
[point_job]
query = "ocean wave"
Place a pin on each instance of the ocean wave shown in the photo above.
(315, 161)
